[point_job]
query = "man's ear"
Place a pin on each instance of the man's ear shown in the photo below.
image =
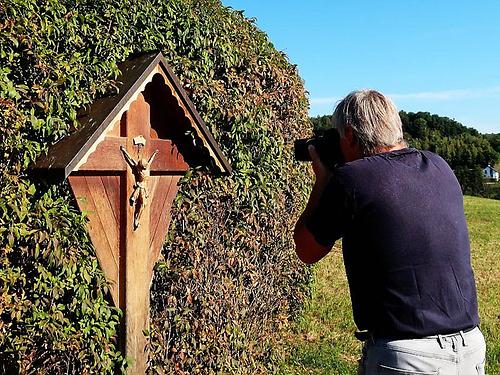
(349, 135)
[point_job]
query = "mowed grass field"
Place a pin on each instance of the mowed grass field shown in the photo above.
(321, 341)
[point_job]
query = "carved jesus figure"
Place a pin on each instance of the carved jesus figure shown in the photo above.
(141, 170)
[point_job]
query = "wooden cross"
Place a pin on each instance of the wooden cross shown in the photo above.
(100, 161)
(103, 186)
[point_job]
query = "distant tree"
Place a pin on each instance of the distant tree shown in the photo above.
(465, 149)
(494, 140)
(471, 180)
(321, 123)
(459, 145)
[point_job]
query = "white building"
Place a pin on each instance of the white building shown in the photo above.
(490, 173)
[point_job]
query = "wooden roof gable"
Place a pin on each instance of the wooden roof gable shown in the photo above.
(72, 151)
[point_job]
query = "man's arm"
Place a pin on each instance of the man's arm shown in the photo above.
(307, 248)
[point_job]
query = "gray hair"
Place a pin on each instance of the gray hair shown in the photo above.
(374, 120)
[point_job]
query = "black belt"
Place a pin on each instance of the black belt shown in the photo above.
(365, 335)
(362, 335)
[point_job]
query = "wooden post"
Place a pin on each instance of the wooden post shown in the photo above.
(136, 247)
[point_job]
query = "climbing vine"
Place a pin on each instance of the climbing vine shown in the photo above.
(229, 279)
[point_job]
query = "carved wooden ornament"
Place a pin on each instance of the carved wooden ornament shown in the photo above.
(123, 164)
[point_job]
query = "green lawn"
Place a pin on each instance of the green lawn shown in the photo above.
(321, 341)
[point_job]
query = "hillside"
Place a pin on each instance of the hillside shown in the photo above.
(322, 342)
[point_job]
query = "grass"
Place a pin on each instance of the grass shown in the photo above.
(483, 217)
(321, 340)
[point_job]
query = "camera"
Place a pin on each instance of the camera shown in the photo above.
(327, 146)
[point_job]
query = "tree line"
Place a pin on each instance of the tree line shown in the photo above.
(465, 149)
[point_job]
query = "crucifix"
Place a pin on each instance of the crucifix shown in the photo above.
(123, 165)
(128, 203)
(140, 169)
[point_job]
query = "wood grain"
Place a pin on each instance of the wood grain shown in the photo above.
(107, 156)
(162, 216)
(105, 252)
(136, 251)
(111, 185)
(169, 159)
(159, 195)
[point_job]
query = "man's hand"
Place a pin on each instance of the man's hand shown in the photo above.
(306, 246)
(322, 173)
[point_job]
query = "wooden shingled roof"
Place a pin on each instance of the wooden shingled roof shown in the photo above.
(66, 155)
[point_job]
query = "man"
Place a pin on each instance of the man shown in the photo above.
(405, 242)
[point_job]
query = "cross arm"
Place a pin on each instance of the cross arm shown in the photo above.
(108, 157)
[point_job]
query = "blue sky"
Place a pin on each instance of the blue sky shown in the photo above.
(437, 56)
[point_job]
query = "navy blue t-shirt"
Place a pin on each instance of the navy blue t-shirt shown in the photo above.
(405, 243)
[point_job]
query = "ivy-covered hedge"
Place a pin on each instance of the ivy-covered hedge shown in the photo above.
(229, 279)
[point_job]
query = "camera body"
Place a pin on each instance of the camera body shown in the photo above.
(327, 146)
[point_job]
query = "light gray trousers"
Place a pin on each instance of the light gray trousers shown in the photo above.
(456, 354)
